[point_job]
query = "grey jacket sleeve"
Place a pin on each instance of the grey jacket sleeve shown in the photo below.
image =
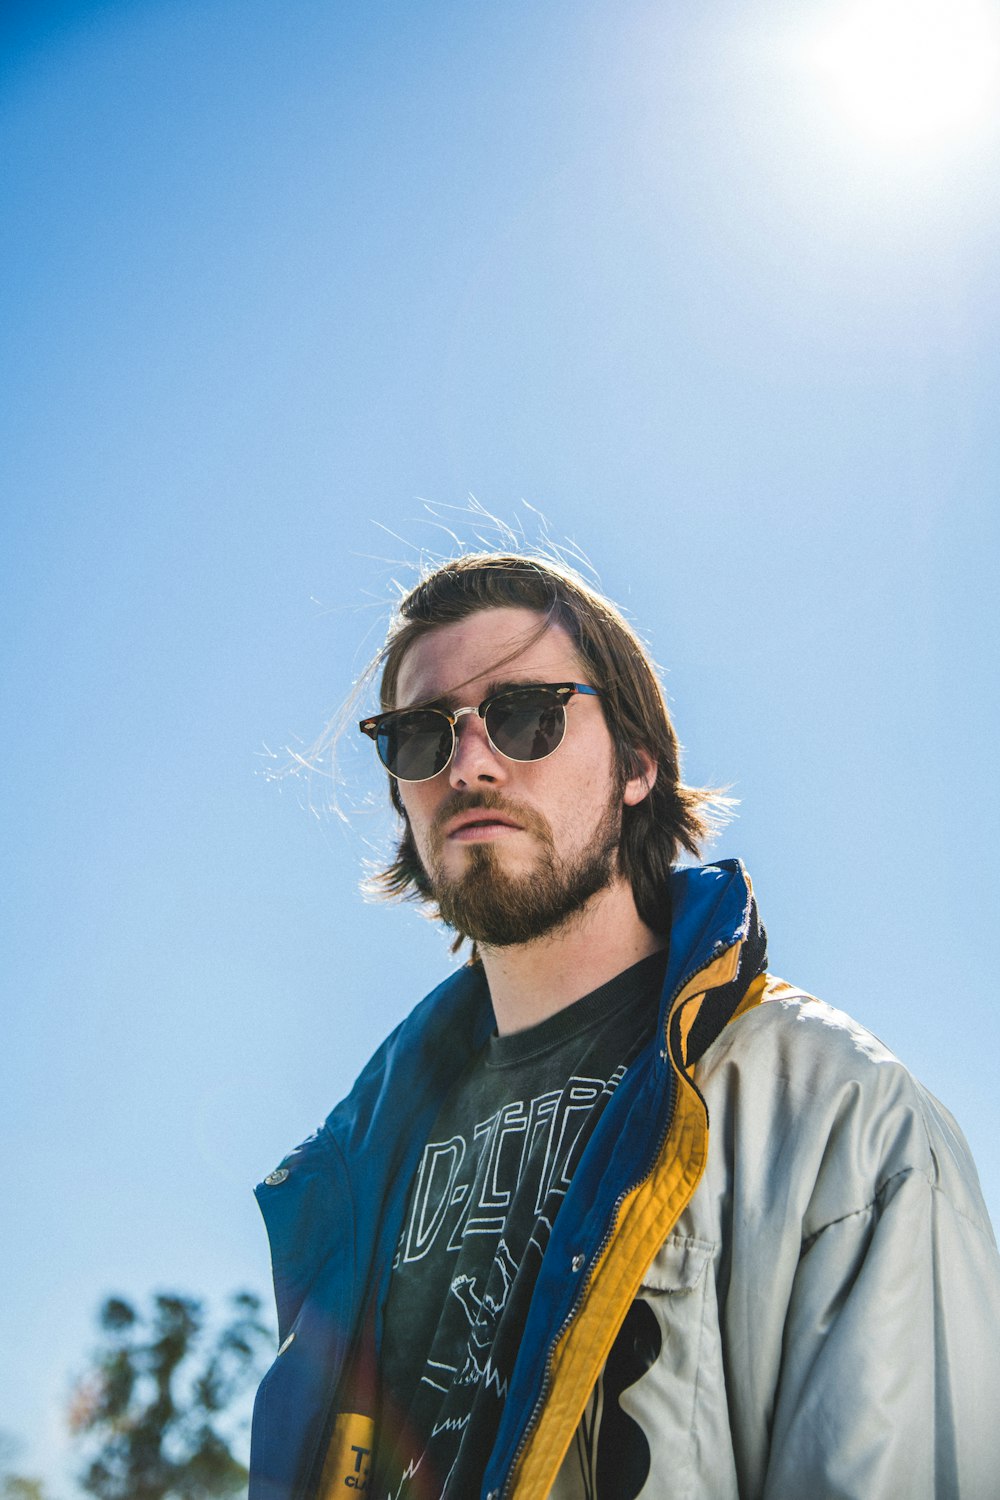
(863, 1300)
(890, 1377)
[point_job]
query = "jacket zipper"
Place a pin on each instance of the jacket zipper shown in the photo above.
(504, 1492)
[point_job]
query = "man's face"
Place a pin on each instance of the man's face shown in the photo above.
(551, 842)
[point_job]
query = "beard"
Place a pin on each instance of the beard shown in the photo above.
(498, 909)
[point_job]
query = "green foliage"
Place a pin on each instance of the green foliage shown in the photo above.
(155, 1412)
(15, 1486)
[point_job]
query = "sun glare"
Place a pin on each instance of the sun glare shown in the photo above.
(908, 70)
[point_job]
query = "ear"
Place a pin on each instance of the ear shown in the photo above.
(641, 785)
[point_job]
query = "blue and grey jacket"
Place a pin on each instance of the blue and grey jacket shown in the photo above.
(821, 1290)
(335, 1205)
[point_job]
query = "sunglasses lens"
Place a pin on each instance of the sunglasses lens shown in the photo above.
(415, 746)
(526, 724)
(523, 724)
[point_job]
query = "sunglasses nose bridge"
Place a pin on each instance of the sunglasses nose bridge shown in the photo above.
(460, 743)
(453, 718)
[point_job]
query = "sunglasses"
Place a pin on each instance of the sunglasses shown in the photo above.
(522, 723)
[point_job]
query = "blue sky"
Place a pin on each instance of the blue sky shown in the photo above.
(284, 286)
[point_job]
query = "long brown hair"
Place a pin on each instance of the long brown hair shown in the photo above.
(672, 817)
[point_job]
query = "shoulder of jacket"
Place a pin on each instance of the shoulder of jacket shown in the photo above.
(791, 1024)
(807, 1080)
(416, 1063)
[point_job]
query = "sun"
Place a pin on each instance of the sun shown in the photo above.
(906, 70)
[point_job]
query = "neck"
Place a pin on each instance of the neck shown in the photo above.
(531, 981)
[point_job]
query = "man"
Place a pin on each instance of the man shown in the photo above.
(514, 1261)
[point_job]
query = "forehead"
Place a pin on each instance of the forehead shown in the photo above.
(490, 646)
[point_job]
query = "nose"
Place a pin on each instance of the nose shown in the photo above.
(475, 760)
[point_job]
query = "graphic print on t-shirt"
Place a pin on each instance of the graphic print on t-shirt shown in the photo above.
(505, 1148)
(485, 1194)
(522, 1155)
(484, 1314)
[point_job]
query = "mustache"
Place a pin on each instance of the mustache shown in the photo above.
(488, 801)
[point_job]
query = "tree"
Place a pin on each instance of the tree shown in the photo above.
(155, 1413)
(15, 1486)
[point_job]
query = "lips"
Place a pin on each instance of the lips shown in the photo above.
(480, 819)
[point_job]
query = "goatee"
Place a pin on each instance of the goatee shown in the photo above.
(498, 909)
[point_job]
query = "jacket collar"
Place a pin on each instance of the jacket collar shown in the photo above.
(718, 946)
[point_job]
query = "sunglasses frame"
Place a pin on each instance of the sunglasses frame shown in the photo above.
(564, 691)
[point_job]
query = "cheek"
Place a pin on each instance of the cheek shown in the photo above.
(411, 805)
(593, 766)
(581, 798)
(419, 810)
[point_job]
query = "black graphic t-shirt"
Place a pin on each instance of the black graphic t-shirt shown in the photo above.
(493, 1174)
